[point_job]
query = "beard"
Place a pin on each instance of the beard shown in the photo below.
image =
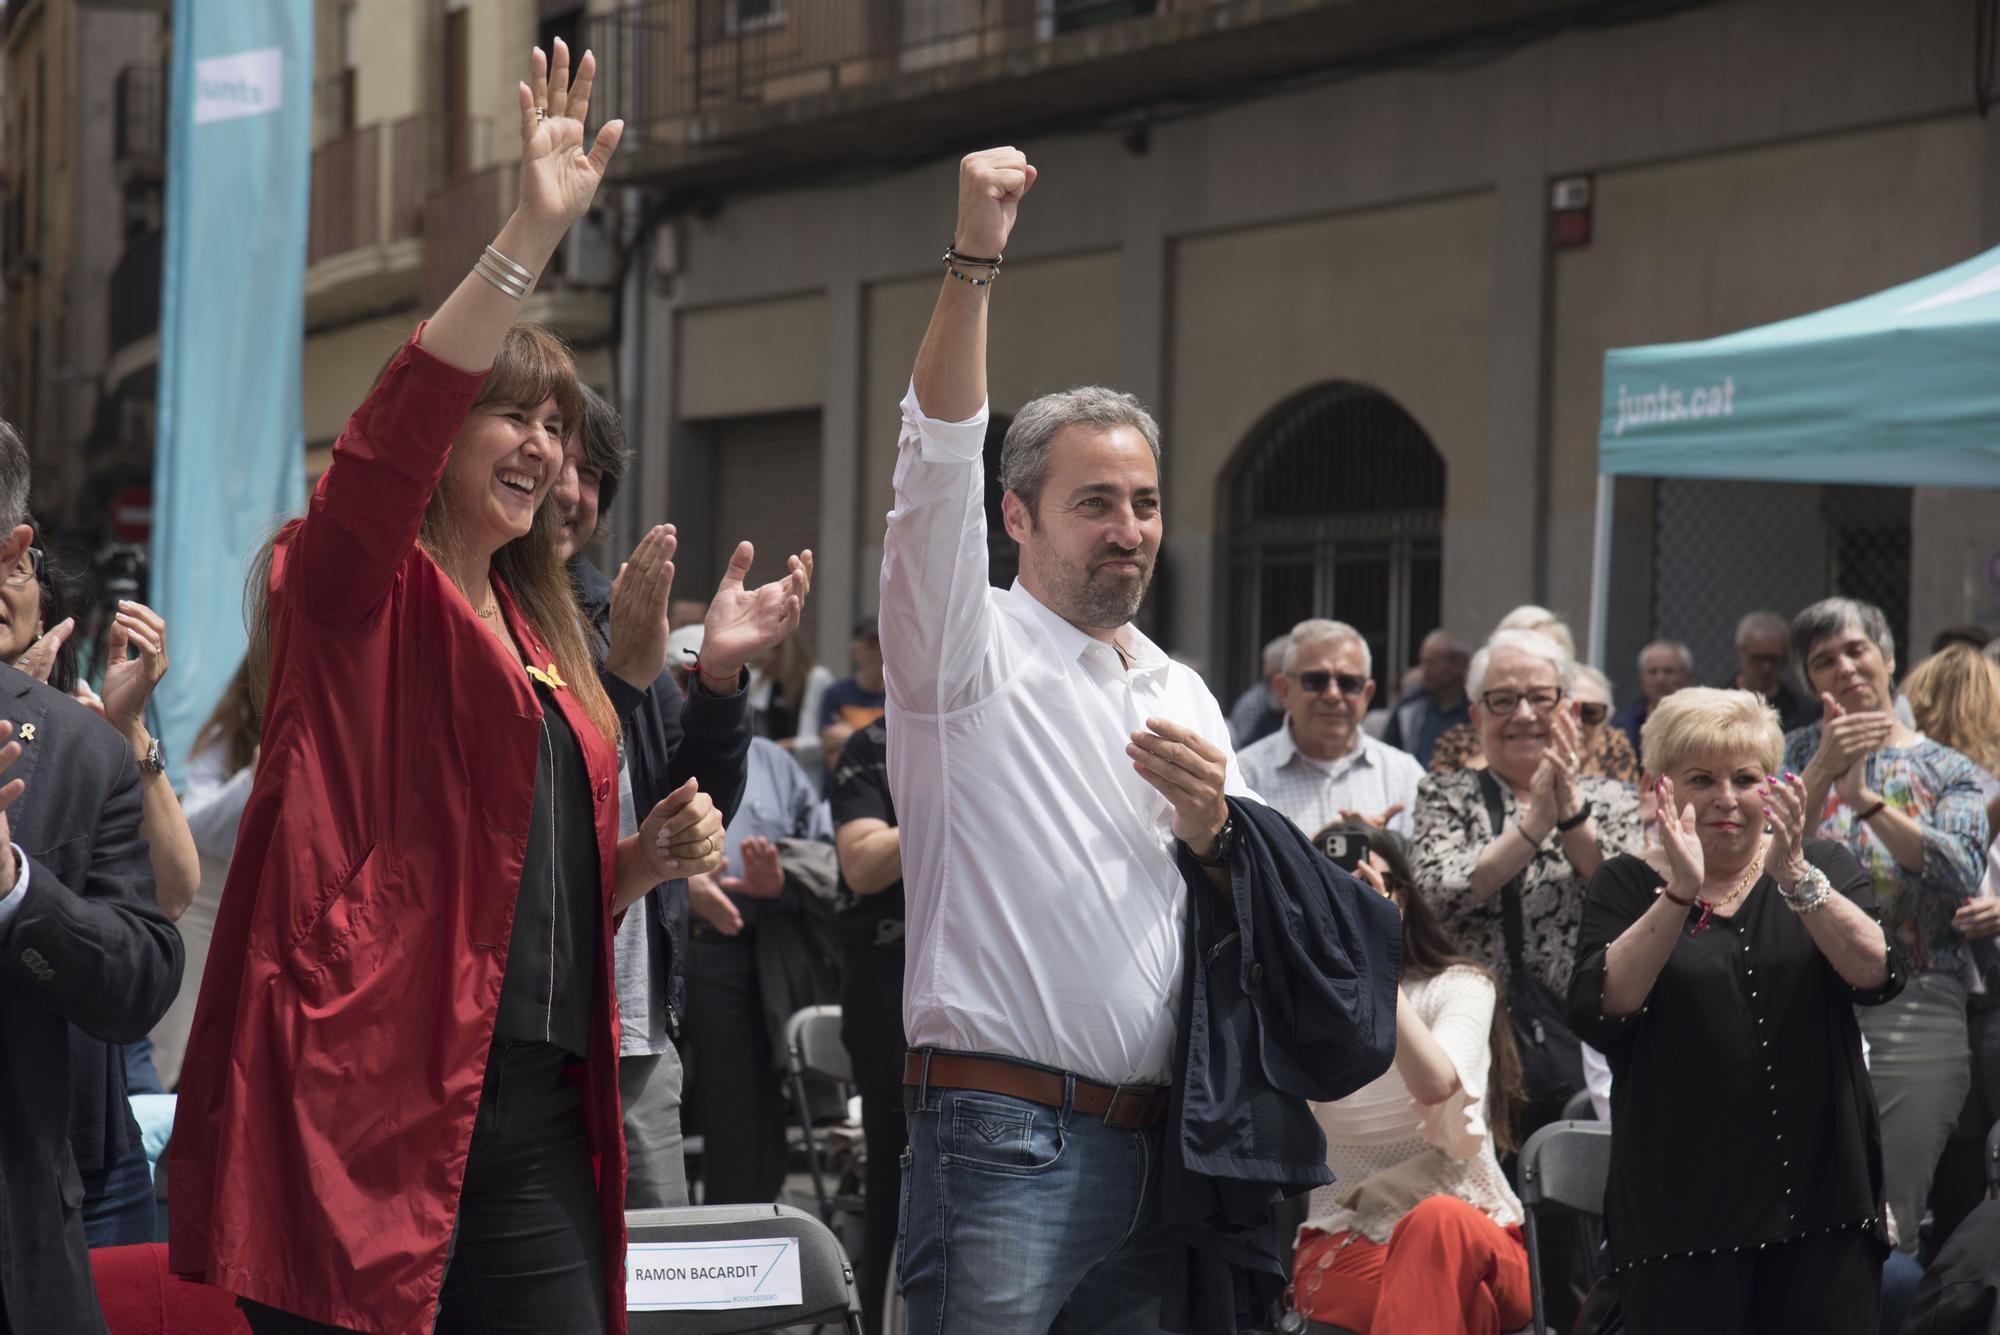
(1092, 596)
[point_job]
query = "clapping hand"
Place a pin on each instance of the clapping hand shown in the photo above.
(40, 659)
(1845, 740)
(1785, 811)
(1680, 840)
(682, 834)
(639, 598)
(763, 873)
(9, 795)
(742, 623)
(140, 632)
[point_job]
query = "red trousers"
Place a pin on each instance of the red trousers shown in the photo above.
(1446, 1268)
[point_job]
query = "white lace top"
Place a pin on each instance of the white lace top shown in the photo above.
(1441, 1150)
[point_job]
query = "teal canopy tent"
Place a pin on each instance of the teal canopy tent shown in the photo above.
(1898, 389)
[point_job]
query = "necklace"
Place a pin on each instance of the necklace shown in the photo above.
(1743, 883)
(492, 608)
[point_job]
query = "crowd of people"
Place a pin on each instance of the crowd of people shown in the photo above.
(1120, 975)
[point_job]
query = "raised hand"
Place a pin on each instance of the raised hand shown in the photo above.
(1544, 807)
(682, 834)
(990, 186)
(558, 178)
(1785, 810)
(138, 631)
(1380, 820)
(1565, 748)
(707, 902)
(1845, 738)
(742, 623)
(40, 659)
(1187, 770)
(639, 598)
(763, 872)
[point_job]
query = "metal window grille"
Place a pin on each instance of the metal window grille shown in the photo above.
(1336, 509)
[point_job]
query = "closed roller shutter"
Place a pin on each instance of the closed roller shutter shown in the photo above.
(766, 471)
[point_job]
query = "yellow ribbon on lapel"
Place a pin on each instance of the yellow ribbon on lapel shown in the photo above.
(549, 678)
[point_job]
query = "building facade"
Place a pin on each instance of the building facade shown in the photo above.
(1321, 241)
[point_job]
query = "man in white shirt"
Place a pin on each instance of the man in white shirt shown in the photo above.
(1046, 759)
(1321, 766)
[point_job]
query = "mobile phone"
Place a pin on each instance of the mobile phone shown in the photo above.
(1345, 848)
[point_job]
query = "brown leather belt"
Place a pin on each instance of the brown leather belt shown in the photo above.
(1125, 1106)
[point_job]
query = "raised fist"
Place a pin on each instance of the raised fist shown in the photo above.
(990, 185)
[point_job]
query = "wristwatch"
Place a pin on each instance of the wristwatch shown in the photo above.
(1225, 844)
(155, 759)
(1582, 815)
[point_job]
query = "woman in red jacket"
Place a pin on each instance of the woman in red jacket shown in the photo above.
(399, 1110)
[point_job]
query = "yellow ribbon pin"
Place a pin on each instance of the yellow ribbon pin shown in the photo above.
(549, 678)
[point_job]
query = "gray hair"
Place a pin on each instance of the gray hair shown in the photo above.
(1680, 651)
(1528, 616)
(1447, 641)
(1586, 673)
(1831, 616)
(1024, 454)
(603, 434)
(1319, 630)
(1274, 652)
(14, 476)
(1756, 625)
(1530, 642)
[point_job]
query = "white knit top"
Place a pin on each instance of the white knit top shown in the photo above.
(1380, 1126)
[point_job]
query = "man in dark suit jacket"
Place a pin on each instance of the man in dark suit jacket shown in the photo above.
(82, 942)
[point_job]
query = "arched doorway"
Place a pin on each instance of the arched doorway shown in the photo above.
(1333, 506)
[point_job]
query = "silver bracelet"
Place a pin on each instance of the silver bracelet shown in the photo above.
(1810, 895)
(514, 279)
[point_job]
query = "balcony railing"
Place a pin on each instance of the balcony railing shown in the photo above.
(458, 221)
(666, 60)
(139, 127)
(370, 185)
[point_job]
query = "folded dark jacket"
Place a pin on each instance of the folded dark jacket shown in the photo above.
(1289, 995)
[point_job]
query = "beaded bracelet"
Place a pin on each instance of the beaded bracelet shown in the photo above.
(1810, 895)
(964, 277)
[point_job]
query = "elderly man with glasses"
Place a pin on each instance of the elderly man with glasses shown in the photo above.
(1320, 767)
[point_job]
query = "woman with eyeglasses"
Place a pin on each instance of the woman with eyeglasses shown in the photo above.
(1420, 1231)
(1913, 812)
(1521, 838)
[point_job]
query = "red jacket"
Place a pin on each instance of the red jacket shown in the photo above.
(340, 1041)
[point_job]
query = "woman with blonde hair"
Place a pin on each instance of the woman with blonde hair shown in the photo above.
(1719, 975)
(399, 1109)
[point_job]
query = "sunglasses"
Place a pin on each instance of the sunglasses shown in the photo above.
(28, 568)
(1316, 682)
(1590, 715)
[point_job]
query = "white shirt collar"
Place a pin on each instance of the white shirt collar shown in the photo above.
(1073, 644)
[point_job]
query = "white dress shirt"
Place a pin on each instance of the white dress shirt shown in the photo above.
(1370, 779)
(1044, 906)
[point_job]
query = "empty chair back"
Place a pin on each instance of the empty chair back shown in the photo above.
(826, 1280)
(813, 1046)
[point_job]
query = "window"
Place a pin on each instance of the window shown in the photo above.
(755, 15)
(1335, 509)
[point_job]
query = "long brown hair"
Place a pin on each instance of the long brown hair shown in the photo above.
(1429, 950)
(236, 725)
(1955, 698)
(533, 364)
(794, 667)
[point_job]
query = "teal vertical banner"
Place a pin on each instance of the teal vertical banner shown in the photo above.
(231, 446)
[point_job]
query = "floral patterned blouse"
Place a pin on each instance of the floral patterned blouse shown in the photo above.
(1613, 757)
(1945, 793)
(1452, 829)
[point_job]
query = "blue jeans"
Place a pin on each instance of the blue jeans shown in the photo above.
(118, 1205)
(1017, 1219)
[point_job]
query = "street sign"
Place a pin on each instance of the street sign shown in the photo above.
(132, 515)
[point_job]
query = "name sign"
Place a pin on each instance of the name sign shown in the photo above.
(249, 83)
(711, 1276)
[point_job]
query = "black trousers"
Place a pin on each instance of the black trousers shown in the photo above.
(732, 1097)
(528, 1256)
(871, 1028)
(1822, 1284)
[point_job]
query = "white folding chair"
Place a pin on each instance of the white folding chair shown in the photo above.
(827, 1292)
(1563, 1169)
